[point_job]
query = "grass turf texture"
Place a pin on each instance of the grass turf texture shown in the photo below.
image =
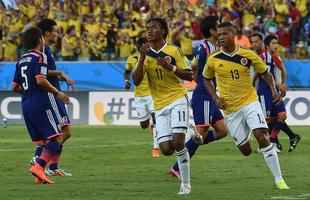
(114, 162)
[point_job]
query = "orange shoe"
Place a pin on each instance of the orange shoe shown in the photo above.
(37, 181)
(155, 153)
(37, 171)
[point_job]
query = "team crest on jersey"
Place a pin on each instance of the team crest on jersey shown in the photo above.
(168, 59)
(244, 61)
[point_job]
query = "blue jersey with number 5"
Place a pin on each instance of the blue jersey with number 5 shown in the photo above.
(31, 65)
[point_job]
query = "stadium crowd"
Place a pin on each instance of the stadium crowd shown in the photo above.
(108, 29)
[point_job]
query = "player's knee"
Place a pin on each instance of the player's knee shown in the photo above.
(178, 145)
(144, 124)
(167, 151)
(222, 133)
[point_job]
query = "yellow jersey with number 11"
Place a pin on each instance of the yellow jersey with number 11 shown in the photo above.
(164, 85)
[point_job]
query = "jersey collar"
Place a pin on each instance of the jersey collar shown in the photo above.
(230, 55)
(159, 49)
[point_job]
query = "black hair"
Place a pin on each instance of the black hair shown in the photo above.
(140, 41)
(162, 23)
(268, 39)
(208, 23)
(226, 24)
(46, 25)
(259, 35)
(31, 38)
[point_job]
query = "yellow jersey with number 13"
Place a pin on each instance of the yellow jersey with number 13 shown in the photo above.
(232, 74)
(164, 85)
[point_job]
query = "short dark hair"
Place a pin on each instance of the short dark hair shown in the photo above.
(207, 24)
(268, 39)
(46, 25)
(162, 23)
(31, 38)
(226, 24)
(259, 35)
(140, 41)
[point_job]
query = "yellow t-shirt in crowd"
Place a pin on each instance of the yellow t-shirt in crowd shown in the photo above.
(232, 74)
(10, 50)
(164, 85)
(141, 90)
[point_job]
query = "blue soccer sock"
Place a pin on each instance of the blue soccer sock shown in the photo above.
(55, 160)
(48, 152)
(38, 151)
(212, 136)
(192, 147)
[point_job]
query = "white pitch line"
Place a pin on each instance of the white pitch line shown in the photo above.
(88, 146)
(299, 196)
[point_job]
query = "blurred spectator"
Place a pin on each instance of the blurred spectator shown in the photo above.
(294, 21)
(301, 51)
(242, 40)
(70, 47)
(10, 47)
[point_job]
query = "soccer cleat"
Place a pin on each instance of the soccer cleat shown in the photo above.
(279, 146)
(174, 173)
(33, 161)
(275, 145)
(196, 136)
(185, 189)
(57, 172)
(155, 153)
(281, 185)
(293, 143)
(37, 171)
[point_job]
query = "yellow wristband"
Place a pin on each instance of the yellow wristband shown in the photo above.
(174, 69)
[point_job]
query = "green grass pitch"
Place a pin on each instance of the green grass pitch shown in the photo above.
(114, 162)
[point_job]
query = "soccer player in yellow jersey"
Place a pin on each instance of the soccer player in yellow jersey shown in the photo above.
(165, 65)
(231, 67)
(143, 101)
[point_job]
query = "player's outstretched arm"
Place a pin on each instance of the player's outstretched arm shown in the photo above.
(267, 76)
(139, 72)
(42, 82)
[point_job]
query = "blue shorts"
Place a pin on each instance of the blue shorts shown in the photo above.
(42, 125)
(205, 111)
(270, 109)
(63, 113)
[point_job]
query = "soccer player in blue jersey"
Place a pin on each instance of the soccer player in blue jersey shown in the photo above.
(205, 111)
(275, 114)
(40, 118)
(50, 34)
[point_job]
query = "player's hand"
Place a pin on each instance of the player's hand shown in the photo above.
(127, 84)
(69, 82)
(164, 62)
(276, 97)
(63, 97)
(144, 49)
(283, 88)
(219, 102)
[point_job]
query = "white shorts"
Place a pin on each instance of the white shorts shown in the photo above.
(242, 122)
(173, 118)
(144, 107)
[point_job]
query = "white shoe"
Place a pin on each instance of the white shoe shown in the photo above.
(57, 172)
(185, 189)
(33, 161)
(196, 136)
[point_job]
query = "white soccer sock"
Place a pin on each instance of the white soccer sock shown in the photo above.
(184, 165)
(272, 160)
(155, 142)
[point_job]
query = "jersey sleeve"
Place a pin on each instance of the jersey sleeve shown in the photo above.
(258, 64)
(129, 64)
(277, 60)
(181, 60)
(208, 71)
(16, 79)
(40, 66)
